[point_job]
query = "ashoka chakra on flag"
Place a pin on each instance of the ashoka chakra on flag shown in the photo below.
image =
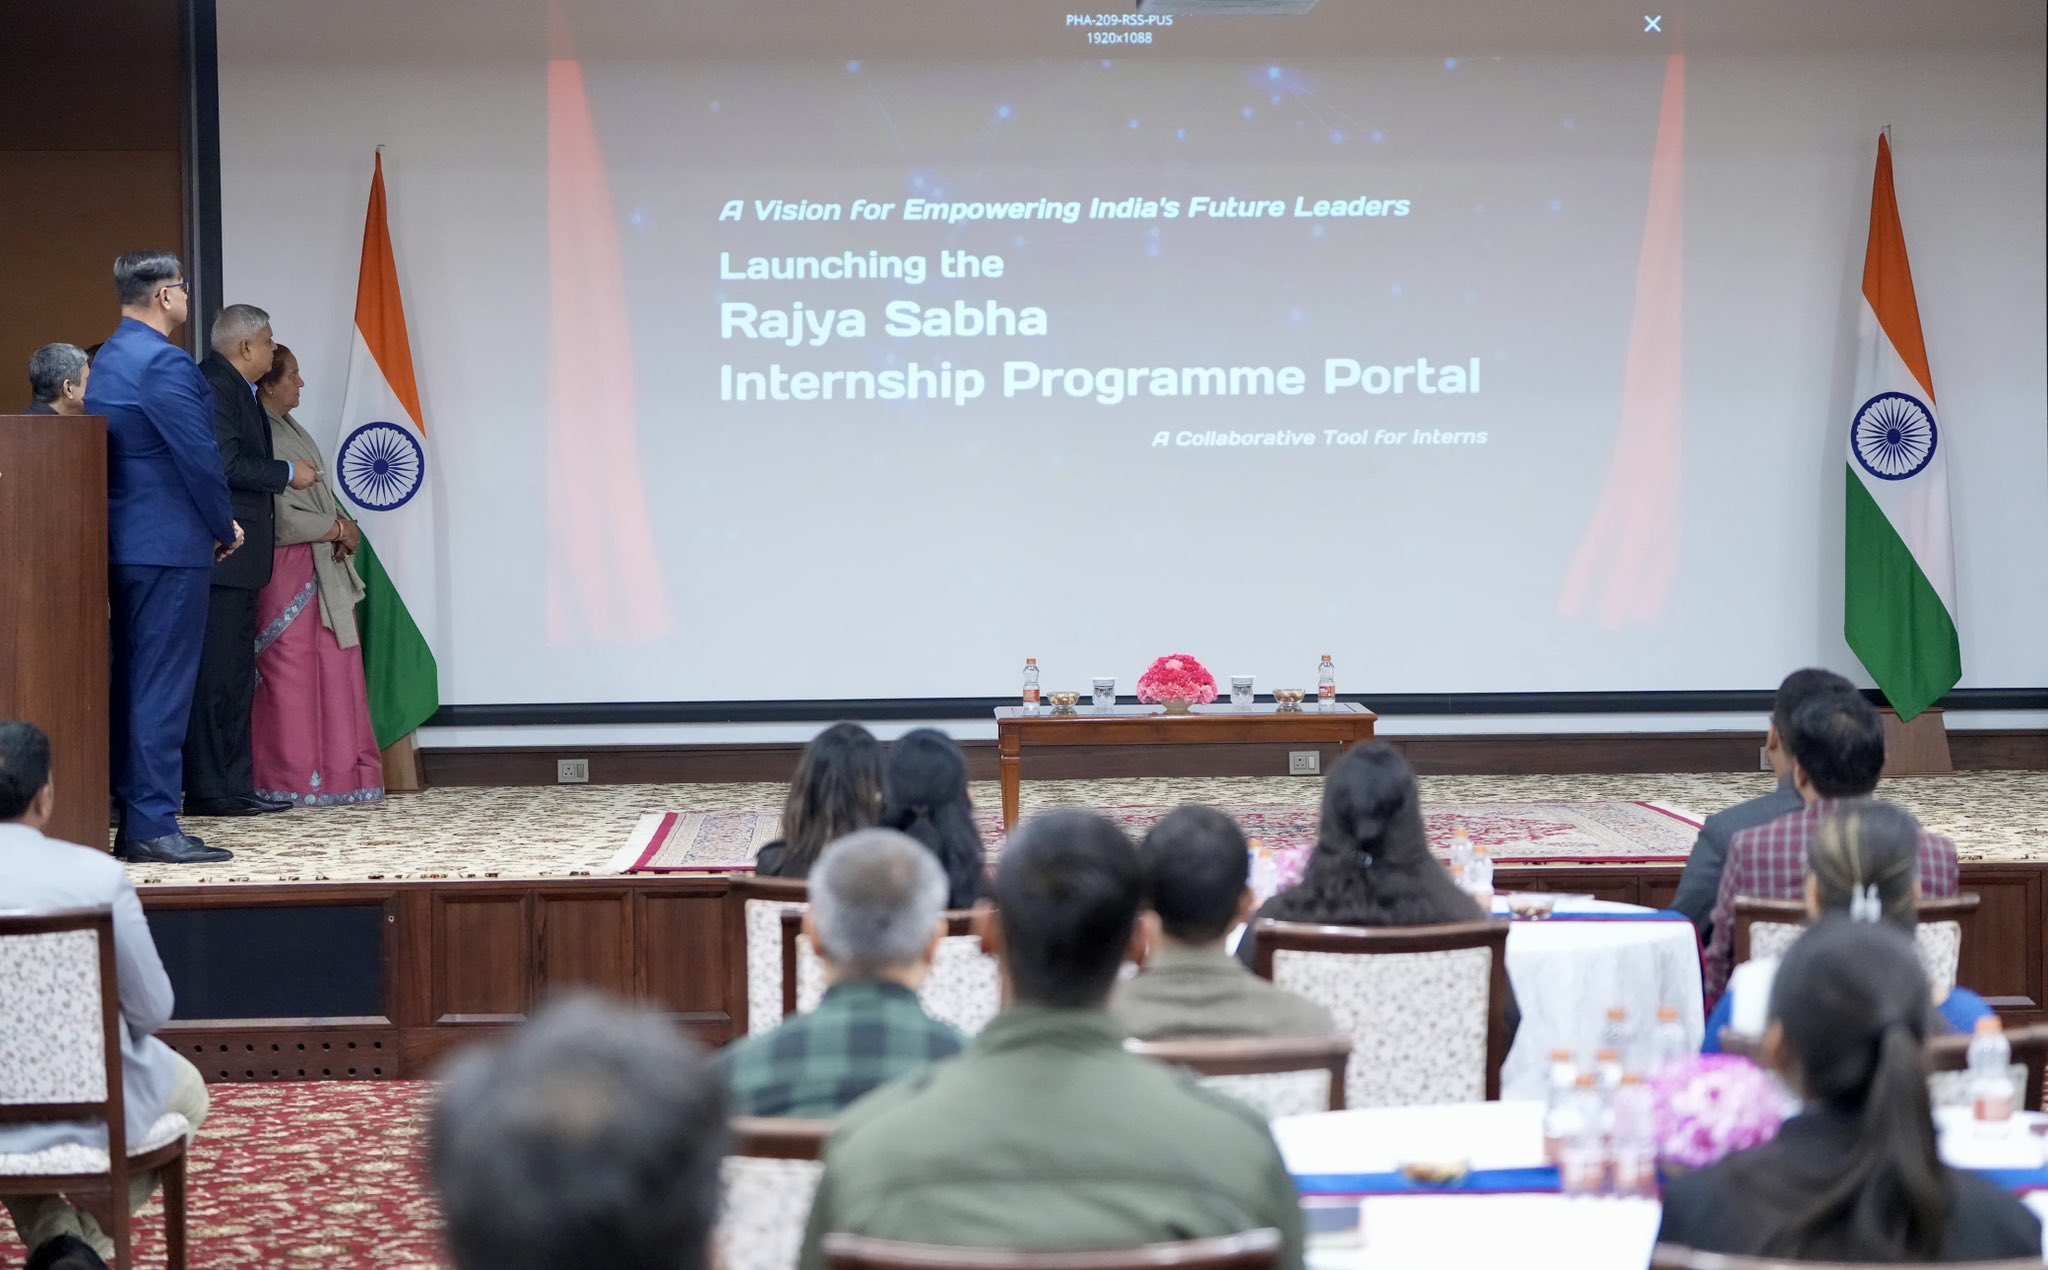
(1893, 436)
(381, 466)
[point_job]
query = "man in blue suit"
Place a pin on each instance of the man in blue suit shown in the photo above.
(168, 521)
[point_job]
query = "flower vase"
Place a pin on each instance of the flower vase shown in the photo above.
(1179, 705)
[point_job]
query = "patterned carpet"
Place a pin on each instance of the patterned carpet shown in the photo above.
(1513, 832)
(323, 1174)
(572, 831)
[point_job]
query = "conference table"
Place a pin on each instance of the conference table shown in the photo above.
(1591, 955)
(1507, 1210)
(1222, 723)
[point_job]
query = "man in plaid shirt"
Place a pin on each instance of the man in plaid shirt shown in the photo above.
(1837, 745)
(876, 918)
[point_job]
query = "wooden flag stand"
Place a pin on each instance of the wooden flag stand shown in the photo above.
(1915, 748)
(404, 775)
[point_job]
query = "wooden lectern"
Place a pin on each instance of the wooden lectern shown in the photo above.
(53, 604)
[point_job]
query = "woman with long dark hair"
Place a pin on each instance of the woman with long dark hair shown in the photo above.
(1857, 1176)
(1371, 865)
(925, 784)
(837, 789)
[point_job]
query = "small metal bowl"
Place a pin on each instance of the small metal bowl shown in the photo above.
(1289, 700)
(1064, 702)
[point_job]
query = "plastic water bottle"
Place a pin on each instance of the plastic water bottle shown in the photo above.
(1582, 1159)
(1461, 848)
(1479, 878)
(1616, 1037)
(1264, 879)
(1326, 685)
(1031, 685)
(1559, 1114)
(1990, 1060)
(1667, 1039)
(1632, 1140)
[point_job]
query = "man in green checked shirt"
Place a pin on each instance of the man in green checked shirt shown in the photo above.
(876, 918)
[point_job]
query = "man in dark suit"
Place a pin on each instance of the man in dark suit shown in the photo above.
(219, 779)
(168, 521)
(57, 374)
(1701, 882)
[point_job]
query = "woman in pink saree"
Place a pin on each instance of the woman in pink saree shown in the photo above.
(313, 741)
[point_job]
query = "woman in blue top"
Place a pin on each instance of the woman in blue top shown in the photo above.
(1863, 864)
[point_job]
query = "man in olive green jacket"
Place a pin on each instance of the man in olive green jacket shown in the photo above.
(1045, 1134)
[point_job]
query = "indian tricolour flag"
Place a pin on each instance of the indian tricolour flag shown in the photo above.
(1900, 592)
(384, 473)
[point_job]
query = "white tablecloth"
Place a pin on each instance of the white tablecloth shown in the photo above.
(1568, 974)
(1521, 1230)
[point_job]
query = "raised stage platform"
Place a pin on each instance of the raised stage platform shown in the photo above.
(364, 942)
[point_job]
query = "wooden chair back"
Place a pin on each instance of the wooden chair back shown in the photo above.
(753, 947)
(768, 1179)
(1672, 1257)
(1766, 928)
(1252, 1250)
(1285, 1076)
(60, 1005)
(1424, 1007)
(963, 990)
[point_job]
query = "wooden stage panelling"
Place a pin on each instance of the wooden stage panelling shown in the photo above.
(379, 980)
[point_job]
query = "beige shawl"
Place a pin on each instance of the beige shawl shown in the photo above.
(305, 516)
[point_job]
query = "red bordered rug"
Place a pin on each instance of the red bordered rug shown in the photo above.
(1593, 832)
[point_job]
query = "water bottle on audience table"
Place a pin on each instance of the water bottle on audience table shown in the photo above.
(1632, 1140)
(1031, 685)
(1990, 1063)
(1582, 1158)
(1461, 847)
(1615, 1035)
(1326, 685)
(1668, 1040)
(1558, 1110)
(1265, 871)
(1479, 878)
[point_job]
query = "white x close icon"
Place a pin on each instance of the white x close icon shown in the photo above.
(1653, 24)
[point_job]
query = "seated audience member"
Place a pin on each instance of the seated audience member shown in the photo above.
(876, 918)
(66, 1252)
(1702, 878)
(1837, 744)
(1371, 865)
(925, 795)
(56, 380)
(592, 1136)
(1862, 866)
(837, 790)
(1856, 1176)
(1045, 1133)
(43, 875)
(1196, 864)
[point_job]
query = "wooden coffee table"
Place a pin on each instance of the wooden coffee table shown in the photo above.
(1222, 724)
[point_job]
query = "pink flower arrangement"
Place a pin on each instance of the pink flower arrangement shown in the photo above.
(1176, 677)
(1711, 1106)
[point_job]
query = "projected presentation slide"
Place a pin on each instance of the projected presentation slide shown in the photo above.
(789, 350)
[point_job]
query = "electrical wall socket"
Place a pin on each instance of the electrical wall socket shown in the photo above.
(1304, 763)
(572, 771)
(1763, 758)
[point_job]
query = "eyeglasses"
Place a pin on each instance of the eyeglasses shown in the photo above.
(186, 287)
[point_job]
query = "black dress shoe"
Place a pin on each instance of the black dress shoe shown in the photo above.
(172, 848)
(233, 805)
(264, 806)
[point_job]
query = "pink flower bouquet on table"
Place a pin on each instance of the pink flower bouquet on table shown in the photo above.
(1711, 1106)
(1176, 677)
